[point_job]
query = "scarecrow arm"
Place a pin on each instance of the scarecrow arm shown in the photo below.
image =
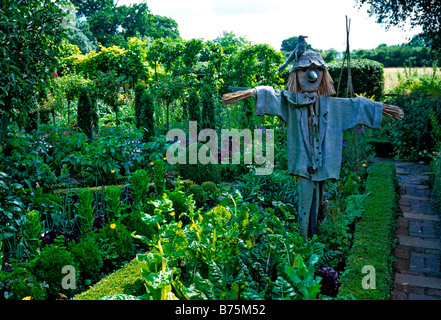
(233, 97)
(393, 112)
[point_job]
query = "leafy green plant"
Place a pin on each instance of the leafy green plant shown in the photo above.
(85, 210)
(302, 277)
(198, 195)
(139, 186)
(48, 267)
(134, 224)
(415, 135)
(115, 242)
(21, 283)
(32, 231)
(114, 205)
(144, 111)
(158, 168)
(87, 118)
(87, 256)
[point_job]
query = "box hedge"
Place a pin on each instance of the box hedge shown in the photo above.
(374, 237)
(367, 77)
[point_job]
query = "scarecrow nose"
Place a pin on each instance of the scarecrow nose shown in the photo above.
(313, 75)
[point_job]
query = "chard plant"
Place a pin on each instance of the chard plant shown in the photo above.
(114, 205)
(85, 210)
(32, 231)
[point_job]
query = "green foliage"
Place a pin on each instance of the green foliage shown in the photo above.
(140, 183)
(144, 111)
(255, 65)
(106, 89)
(134, 223)
(87, 118)
(208, 108)
(114, 153)
(114, 205)
(212, 192)
(181, 202)
(115, 242)
(159, 175)
(85, 210)
(199, 195)
(396, 55)
(230, 42)
(87, 256)
(127, 280)
(416, 135)
(27, 157)
(32, 231)
(124, 64)
(194, 112)
(31, 30)
(301, 276)
(88, 8)
(210, 188)
(367, 77)
(199, 172)
(374, 233)
(21, 283)
(277, 190)
(418, 13)
(48, 267)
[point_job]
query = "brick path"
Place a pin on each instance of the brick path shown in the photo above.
(418, 249)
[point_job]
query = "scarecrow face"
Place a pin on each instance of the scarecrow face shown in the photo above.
(309, 78)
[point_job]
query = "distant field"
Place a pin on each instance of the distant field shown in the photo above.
(391, 75)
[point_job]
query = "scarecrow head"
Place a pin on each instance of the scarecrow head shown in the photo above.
(310, 74)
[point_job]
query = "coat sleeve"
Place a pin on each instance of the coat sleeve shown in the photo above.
(360, 111)
(271, 102)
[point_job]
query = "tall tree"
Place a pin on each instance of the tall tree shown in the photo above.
(86, 8)
(424, 13)
(230, 42)
(115, 25)
(30, 32)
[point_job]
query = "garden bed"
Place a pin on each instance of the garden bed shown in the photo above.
(372, 246)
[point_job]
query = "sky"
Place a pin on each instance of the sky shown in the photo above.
(272, 21)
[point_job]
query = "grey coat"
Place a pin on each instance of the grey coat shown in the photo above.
(322, 152)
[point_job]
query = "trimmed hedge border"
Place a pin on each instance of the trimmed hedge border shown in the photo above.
(127, 281)
(374, 237)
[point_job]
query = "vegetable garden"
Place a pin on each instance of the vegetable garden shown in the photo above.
(85, 182)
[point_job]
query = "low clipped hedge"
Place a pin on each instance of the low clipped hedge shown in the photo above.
(374, 237)
(367, 77)
(96, 191)
(127, 281)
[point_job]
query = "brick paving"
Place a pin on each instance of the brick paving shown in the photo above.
(418, 249)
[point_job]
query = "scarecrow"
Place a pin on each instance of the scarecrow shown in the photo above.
(315, 124)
